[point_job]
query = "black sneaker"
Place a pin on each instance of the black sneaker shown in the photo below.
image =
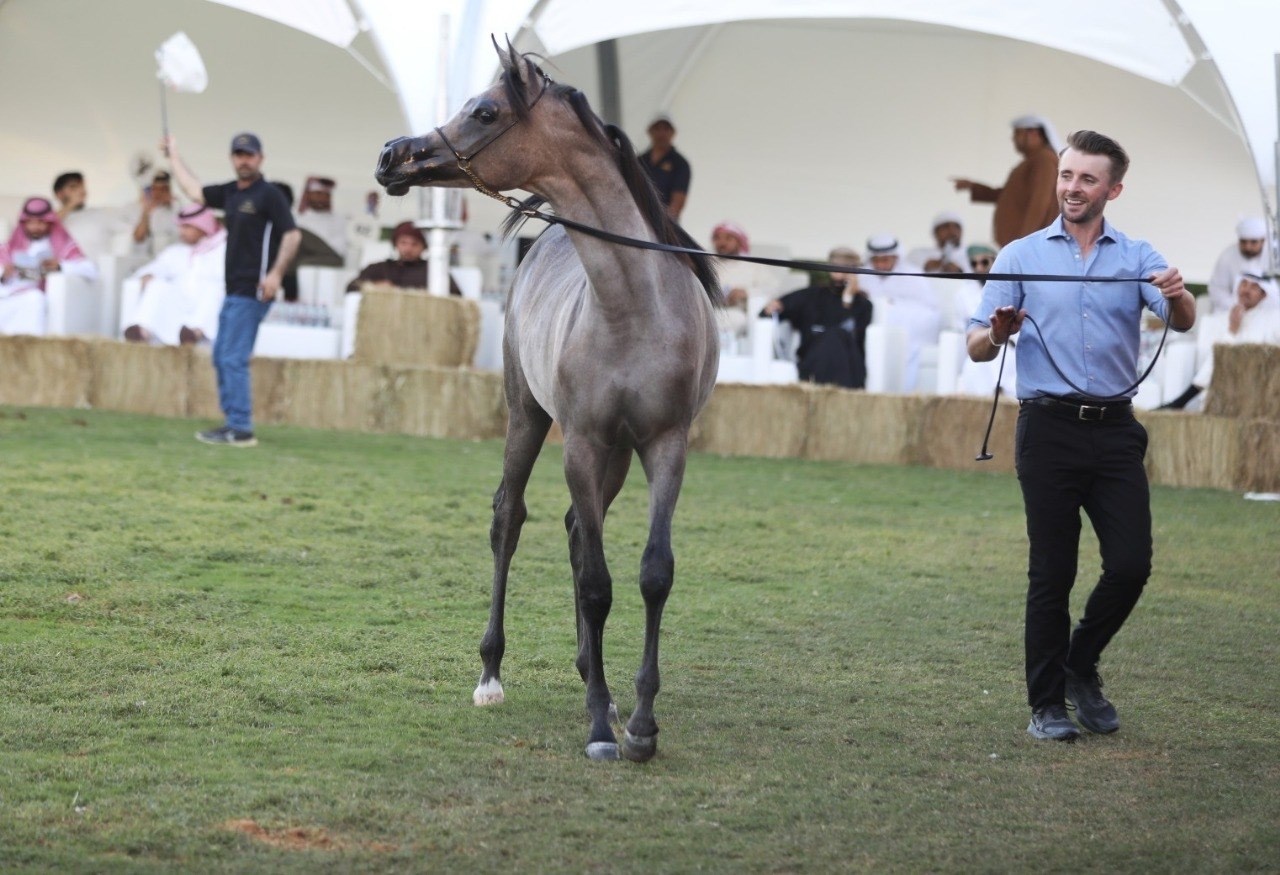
(1092, 709)
(228, 437)
(1052, 722)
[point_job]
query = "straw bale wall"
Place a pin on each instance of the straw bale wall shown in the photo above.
(1189, 450)
(799, 420)
(1246, 382)
(45, 372)
(1259, 456)
(740, 420)
(412, 328)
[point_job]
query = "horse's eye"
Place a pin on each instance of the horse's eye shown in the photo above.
(485, 113)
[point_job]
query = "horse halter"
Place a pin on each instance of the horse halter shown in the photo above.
(464, 161)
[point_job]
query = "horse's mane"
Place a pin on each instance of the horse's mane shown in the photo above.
(615, 140)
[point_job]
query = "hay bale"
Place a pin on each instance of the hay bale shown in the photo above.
(270, 390)
(45, 371)
(1259, 456)
(202, 386)
(867, 429)
(410, 329)
(330, 394)
(443, 402)
(1189, 450)
(1246, 382)
(138, 378)
(742, 420)
(951, 431)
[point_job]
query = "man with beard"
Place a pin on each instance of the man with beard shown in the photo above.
(261, 242)
(1249, 254)
(39, 246)
(1025, 203)
(407, 271)
(832, 318)
(1077, 444)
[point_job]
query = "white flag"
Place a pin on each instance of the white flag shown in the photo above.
(180, 65)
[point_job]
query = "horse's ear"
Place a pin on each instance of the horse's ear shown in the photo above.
(505, 57)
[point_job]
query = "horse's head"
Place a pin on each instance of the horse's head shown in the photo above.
(483, 138)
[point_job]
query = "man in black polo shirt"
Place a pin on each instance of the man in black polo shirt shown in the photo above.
(261, 243)
(667, 168)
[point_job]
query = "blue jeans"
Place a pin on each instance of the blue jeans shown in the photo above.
(237, 331)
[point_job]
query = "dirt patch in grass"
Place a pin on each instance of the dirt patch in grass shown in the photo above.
(302, 838)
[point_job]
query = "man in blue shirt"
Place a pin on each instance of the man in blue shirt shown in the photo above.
(1077, 444)
(261, 243)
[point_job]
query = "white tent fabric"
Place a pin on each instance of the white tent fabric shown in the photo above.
(847, 116)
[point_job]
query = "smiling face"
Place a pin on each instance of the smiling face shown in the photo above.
(1084, 186)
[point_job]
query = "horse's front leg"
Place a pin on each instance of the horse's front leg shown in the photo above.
(584, 467)
(663, 460)
(526, 430)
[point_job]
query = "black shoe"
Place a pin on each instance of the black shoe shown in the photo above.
(228, 437)
(1052, 722)
(1092, 709)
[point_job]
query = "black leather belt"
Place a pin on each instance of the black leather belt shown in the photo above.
(1083, 410)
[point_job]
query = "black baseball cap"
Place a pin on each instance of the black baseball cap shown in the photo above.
(246, 142)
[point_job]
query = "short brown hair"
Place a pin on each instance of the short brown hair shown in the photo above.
(1094, 143)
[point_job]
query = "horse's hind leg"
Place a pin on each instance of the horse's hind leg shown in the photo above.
(527, 428)
(585, 465)
(663, 460)
(615, 475)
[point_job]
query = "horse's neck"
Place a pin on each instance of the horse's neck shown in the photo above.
(621, 276)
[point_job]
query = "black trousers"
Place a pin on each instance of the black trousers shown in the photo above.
(1066, 465)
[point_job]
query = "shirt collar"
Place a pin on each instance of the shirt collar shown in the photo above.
(1058, 229)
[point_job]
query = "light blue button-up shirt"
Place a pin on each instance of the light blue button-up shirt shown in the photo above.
(1091, 329)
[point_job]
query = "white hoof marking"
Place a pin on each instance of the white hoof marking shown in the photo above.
(489, 693)
(602, 750)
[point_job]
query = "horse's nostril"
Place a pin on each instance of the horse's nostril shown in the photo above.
(384, 161)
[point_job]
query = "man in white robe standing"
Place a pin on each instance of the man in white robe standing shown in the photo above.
(1249, 254)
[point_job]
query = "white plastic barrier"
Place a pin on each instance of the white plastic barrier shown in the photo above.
(74, 305)
(297, 341)
(886, 357)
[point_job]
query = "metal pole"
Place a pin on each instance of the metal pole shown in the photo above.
(437, 236)
(610, 81)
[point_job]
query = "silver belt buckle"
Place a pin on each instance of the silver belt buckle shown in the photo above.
(1091, 414)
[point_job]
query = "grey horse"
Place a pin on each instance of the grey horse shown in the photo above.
(617, 344)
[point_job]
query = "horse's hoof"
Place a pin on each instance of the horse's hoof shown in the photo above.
(639, 749)
(488, 693)
(602, 751)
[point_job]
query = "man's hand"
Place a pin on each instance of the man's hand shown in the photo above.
(962, 184)
(773, 308)
(270, 286)
(1005, 322)
(168, 146)
(1169, 282)
(50, 265)
(736, 297)
(1234, 318)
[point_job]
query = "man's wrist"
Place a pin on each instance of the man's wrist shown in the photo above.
(991, 338)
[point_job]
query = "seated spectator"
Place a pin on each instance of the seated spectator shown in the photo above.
(38, 247)
(832, 318)
(739, 279)
(1249, 254)
(1251, 320)
(93, 228)
(979, 378)
(947, 255)
(154, 218)
(409, 271)
(183, 288)
(324, 232)
(906, 302)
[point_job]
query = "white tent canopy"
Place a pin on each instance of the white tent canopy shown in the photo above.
(842, 119)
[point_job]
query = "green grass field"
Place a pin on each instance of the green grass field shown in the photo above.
(221, 660)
